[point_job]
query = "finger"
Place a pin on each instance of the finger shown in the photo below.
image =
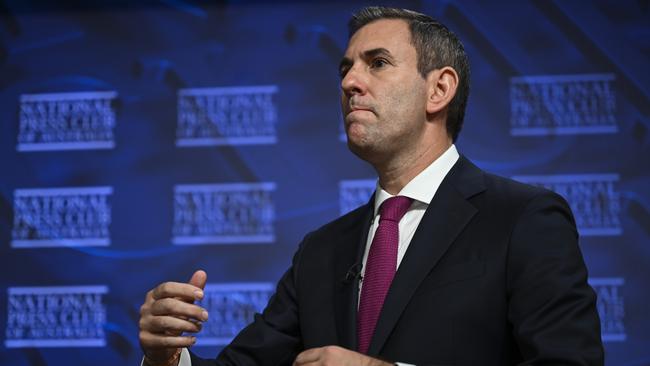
(310, 355)
(199, 278)
(166, 324)
(151, 340)
(178, 309)
(183, 291)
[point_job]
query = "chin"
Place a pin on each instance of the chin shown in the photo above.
(355, 130)
(362, 149)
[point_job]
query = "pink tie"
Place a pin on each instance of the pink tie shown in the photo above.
(380, 268)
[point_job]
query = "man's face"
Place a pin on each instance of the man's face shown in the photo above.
(383, 95)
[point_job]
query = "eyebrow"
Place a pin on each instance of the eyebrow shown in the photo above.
(347, 62)
(377, 52)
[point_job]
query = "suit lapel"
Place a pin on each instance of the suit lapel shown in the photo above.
(445, 218)
(347, 260)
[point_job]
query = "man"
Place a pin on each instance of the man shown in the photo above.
(446, 265)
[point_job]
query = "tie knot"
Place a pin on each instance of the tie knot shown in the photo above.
(394, 208)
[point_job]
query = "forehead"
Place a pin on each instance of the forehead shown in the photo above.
(391, 34)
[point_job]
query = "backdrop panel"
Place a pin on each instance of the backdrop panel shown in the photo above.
(141, 142)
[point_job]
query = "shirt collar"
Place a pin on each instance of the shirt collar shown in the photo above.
(423, 187)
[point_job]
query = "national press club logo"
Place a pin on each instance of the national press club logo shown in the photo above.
(63, 316)
(61, 217)
(562, 104)
(355, 193)
(223, 213)
(227, 116)
(231, 306)
(611, 307)
(594, 199)
(66, 121)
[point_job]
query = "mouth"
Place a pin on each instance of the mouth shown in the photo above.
(356, 115)
(358, 108)
(355, 103)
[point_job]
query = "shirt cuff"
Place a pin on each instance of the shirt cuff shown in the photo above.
(185, 359)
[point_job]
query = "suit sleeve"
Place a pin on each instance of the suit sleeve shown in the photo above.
(552, 309)
(273, 338)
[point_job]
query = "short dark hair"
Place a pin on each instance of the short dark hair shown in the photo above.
(436, 47)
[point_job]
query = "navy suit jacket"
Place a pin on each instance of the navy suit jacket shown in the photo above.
(492, 276)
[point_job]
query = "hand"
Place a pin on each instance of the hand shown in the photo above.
(167, 312)
(336, 356)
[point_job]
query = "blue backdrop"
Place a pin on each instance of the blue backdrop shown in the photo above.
(141, 142)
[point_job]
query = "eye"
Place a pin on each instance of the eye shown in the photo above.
(343, 71)
(378, 63)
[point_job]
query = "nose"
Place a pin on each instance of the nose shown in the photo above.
(353, 82)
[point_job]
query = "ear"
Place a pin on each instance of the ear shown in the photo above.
(442, 85)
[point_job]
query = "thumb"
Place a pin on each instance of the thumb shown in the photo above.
(199, 278)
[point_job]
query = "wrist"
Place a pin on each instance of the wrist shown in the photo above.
(171, 361)
(381, 362)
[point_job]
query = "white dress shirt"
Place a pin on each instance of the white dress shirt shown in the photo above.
(421, 189)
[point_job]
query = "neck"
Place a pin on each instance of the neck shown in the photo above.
(396, 173)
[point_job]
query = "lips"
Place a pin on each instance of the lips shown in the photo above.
(356, 104)
(357, 110)
(359, 107)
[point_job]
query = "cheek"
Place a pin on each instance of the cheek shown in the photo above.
(407, 88)
(413, 99)
(404, 103)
